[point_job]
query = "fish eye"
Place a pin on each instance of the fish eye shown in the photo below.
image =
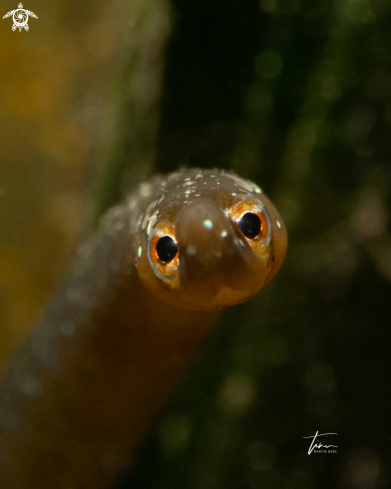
(163, 252)
(254, 222)
(250, 225)
(166, 249)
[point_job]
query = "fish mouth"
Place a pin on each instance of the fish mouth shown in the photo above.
(217, 266)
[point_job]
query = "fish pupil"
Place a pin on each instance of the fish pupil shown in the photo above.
(166, 249)
(250, 225)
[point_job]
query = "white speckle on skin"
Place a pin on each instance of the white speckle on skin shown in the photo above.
(187, 179)
(199, 175)
(151, 221)
(191, 250)
(160, 200)
(197, 195)
(145, 189)
(139, 221)
(278, 224)
(189, 182)
(208, 224)
(234, 194)
(258, 190)
(149, 227)
(224, 234)
(184, 202)
(139, 251)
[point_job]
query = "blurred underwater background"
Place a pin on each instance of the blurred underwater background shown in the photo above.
(293, 94)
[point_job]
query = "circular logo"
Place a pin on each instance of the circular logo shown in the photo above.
(20, 18)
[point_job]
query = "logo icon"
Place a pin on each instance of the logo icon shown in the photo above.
(20, 17)
(318, 447)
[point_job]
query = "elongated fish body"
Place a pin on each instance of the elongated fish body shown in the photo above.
(142, 295)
